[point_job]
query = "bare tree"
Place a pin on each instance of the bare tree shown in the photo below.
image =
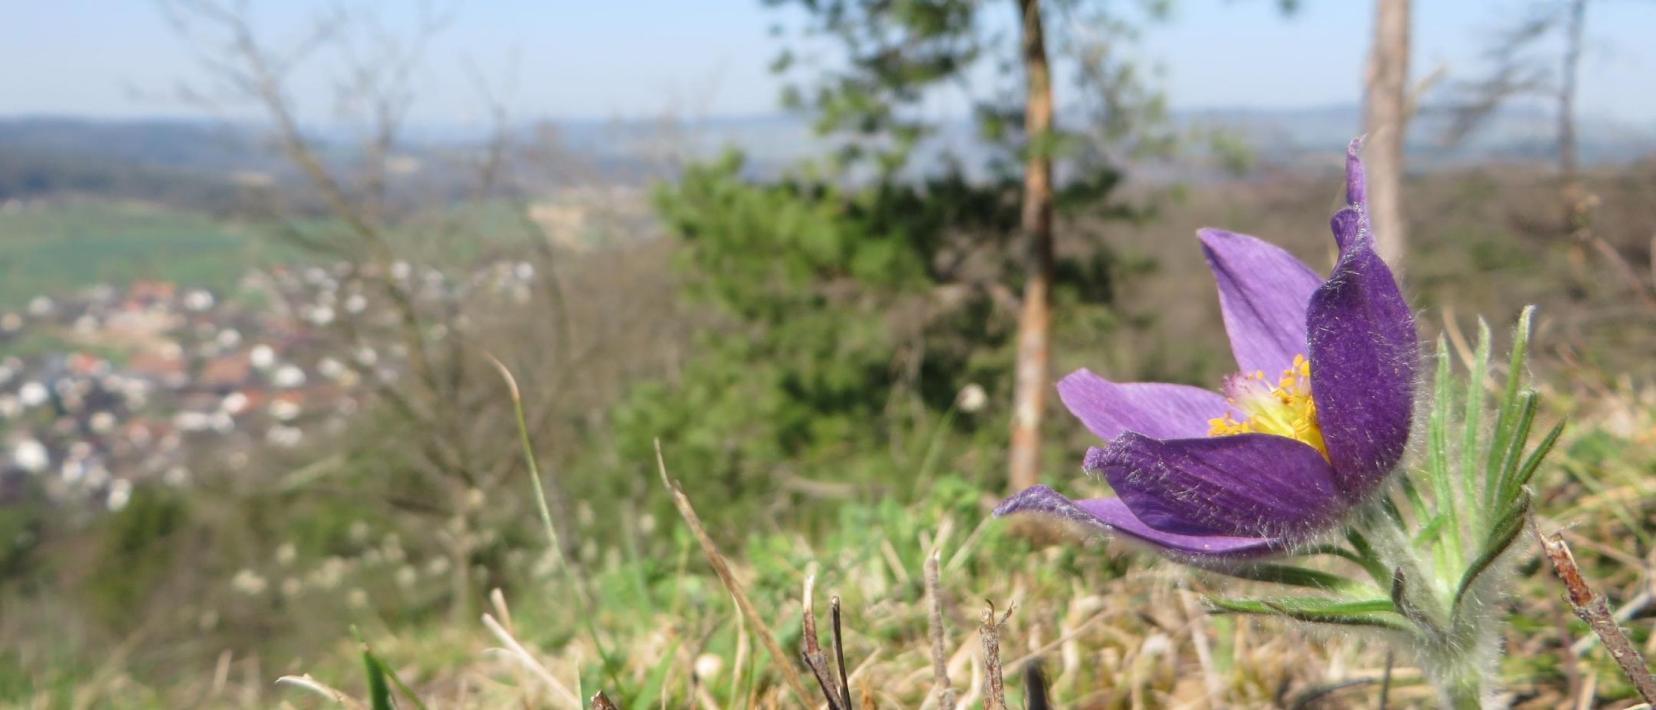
(1386, 120)
(1035, 318)
(1516, 70)
(450, 424)
(1575, 18)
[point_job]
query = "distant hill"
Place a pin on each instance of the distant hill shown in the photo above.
(199, 164)
(1515, 133)
(177, 162)
(1281, 137)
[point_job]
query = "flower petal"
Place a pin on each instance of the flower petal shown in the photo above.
(1352, 222)
(1111, 515)
(1154, 409)
(1250, 485)
(1364, 352)
(1356, 181)
(1263, 291)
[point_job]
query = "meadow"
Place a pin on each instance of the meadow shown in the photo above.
(307, 566)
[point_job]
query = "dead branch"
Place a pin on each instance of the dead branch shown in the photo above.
(600, 701)
(839, 652)
(812, 653)
(934, 620)
(994, 684)
(1592, 609)
(1035, 688)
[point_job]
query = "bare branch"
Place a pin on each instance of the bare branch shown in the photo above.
(994, 684)
(934, 620)
(839, 653)
(1592, 609)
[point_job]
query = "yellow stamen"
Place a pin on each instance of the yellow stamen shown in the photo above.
(1285, 409)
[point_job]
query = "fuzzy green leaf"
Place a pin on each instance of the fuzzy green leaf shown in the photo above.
(1500, 537)
(1289, 575)
(1510, 408)
(1373, 613)
(1473, 412)
(1506, 475)
(1533, 461)
(1437, 458)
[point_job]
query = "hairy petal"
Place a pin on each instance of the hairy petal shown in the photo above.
(1154, 409)
(1111, 515)
(1348, 226)
(1363, 352)
(1356, 182)
(1248, 485)
(1263, 292)
(1351, 223)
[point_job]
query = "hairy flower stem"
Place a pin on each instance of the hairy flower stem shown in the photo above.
(1455, 646)
(1464, 693)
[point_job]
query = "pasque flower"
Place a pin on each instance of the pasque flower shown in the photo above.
(1314, 421)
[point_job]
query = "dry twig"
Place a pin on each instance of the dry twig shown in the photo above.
(994, 684)
(934, 619)
(839, 652)
(722, 568)
(1035, 688)
(812, 653)
(1591, 608)
(600, 701)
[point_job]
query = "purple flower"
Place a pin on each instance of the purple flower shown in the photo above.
(1275, 458)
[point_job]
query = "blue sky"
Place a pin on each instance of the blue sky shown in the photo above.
(643, 58)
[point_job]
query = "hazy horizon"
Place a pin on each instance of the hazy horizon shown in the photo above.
(127, 62)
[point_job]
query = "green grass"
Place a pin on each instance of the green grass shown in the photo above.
(58, 248)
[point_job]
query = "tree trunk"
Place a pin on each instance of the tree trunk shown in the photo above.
(1035, 321)
(1567, 166)
(1386, 120)
(1577, 203)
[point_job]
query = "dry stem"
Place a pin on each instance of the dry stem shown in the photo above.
(812, 653)
(934, 619)
(994, 685)
(1591, 608)
(728, 578)
(839, 652)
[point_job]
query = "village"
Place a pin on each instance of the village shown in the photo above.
(114, 388)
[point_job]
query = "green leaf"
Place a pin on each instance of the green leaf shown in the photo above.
(1407, 608)
(1474, 420)
(1377, 612)
(655, 686)
(1431, 530)
(1511, 404)
(1508, 471)
(1437, 458)
(1367, 557)
(1289, 575)
(379, 692)
(1412, 493)
(1500, 538)
(1533, 461)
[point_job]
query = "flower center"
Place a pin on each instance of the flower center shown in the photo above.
(1284, 409)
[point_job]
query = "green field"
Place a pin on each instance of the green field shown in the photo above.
(57, 248)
